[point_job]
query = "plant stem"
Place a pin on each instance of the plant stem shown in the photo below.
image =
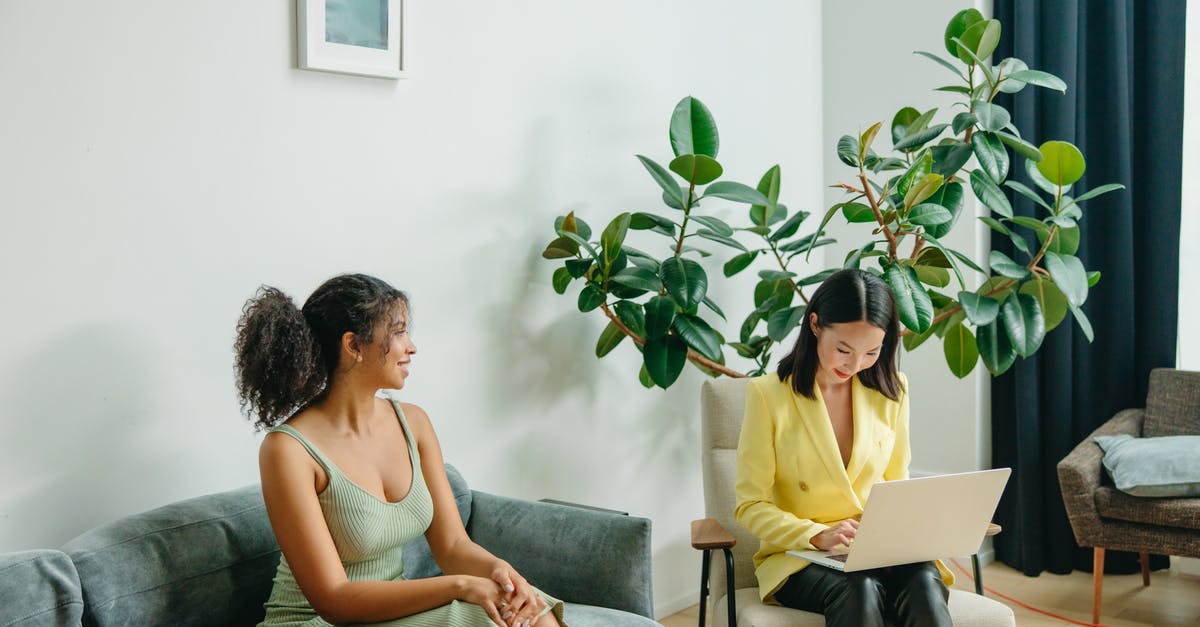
(687, 209)
(692, 355)
(891, 237)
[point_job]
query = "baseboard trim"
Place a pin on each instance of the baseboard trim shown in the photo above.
(663, 609)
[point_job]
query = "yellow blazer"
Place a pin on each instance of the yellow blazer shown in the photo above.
(791, 484)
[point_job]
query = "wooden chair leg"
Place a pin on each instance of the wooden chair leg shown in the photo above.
(1097, 581)
(1144, 558)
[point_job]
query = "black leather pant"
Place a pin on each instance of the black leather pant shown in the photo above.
(912, 595)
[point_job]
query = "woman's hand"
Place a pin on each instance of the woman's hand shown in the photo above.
(486, 594)
(838, 535)
(520, 604)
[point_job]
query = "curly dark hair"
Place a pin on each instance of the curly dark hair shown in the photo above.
(847, 295)
(286, 356)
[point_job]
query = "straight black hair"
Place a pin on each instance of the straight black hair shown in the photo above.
(849, 295)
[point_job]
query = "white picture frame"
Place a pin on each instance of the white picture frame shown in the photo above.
(360, 37)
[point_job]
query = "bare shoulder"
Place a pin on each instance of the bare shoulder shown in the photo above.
(280, 451)
(417, 419)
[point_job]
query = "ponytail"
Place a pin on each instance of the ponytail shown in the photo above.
(278, 361)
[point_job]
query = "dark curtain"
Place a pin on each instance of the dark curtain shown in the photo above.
(1123, 65)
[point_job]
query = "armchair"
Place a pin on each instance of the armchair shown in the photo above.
(1103, 517)
(735, 589)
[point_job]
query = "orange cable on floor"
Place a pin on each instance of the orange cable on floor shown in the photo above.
(1025, 605)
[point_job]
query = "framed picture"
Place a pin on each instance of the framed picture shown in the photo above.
(363, 37)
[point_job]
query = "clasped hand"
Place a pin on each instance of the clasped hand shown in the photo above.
(506, 597)
(840, 534)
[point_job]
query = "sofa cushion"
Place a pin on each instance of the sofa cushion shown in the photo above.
(1112, 503)
(1153, 467)
(577, 615)
(39, 588)
(1172, 403)
(204, 561)
(418, 560)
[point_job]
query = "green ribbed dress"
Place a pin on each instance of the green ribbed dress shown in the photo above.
(370, 535)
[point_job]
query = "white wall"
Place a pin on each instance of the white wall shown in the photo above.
(161, 160)
(870, 73)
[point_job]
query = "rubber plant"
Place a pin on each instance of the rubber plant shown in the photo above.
(908, 198)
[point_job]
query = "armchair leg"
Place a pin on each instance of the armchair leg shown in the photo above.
(978, 574)
(1144, 559)
(1097, 581)
(707, 560)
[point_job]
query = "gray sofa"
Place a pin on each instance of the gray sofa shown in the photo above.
(210, 561)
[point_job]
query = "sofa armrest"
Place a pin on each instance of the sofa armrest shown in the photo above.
(1079, 475)
(39, 588)
(577, 555)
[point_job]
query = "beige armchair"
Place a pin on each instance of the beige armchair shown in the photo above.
(1103, 517)
(734, 588)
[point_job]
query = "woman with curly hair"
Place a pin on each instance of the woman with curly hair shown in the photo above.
(349, 478)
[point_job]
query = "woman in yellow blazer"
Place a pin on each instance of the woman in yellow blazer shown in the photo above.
(832, 422)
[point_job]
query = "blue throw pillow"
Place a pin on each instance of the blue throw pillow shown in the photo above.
(1156, 467)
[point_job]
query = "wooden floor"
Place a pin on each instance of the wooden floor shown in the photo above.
(1171, 599)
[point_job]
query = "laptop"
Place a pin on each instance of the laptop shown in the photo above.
(917, 520)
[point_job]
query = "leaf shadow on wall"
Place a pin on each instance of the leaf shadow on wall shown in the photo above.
(78, 436)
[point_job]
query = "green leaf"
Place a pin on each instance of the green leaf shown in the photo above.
(660, 313)
(781, 292)
(864, 142)
(609, 338)
(696, 169)
(560, 280)
(1027, 150)
(1084, 324)
(1103, 189)
(578, 267)
(920, 168)
(631, 315)
(708, 302)
(948, 253)
(920, 138)
(1070, 277)
(978, 41)
(590, 298)
(717, 225)
(789, 228)
(561, 248)
(739, 263)
(736, 192)
(949, 196)
(1062, 163)
(614, 236)
(642, 221)
(693, 129)
(821, 229)
(963, 121)
(949, 159)
(819, 277)
(958, 25)
(1006, 69)
(900, 124)
(992, 155)
(776, 275)
(937, 277)
(670, 187)
(1026, 192)
(1004, 266)
(768, 185)
(996, 225)
(960, 349)
(644, 377)
(570, 223)
(854, 257)
(991, 117)
(847, 150)
(1093, 278)
(685, 281)
(664, 358)
(929, 214)
(1040, 180)
(1066, 241)
(638, 278)
(980, 309)
(994, 347)
(916, 310)
(673, 201)
(781, 322)
(940, 61)
(930, 256)
(1040, 79)
(913, 340)
(1023, 321)
(989, 194)
(1049, 298)
(1000, 285)
(857, 212)
(981, 89)
(697, 334)
(721, 239)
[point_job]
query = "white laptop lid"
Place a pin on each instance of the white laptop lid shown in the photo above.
(916, 520)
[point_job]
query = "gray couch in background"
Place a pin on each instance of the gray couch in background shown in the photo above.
(210, 561)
